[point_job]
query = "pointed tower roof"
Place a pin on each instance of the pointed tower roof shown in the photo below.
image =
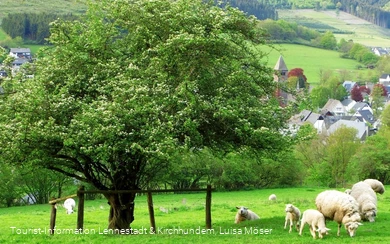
(280, 65)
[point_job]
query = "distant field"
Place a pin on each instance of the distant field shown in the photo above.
(363, 32)
(187, 212)
(312, 60)
(38, 6)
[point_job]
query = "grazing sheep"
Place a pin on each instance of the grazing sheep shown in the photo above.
(292, 214)
(376, 185)
(272, 197)
(348, 191)
(341, 208)
(316, 222)
(243, 214)
(69, 205)
(366, 198)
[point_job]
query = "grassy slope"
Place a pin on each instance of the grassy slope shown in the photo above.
(311, 60)
(365, 32)
(37, 6)
(191, 215)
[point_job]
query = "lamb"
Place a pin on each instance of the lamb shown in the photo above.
(272, 197)
(243, 214)
(366, 198)
(316, 222)
(292, 214)
(340, 207)
(69, 205)
(376, 185)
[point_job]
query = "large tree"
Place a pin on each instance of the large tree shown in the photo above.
(341, 146)
(133, 82)
(296, 79)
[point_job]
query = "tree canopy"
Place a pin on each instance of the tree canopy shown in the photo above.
(129, 84)
(297, 79)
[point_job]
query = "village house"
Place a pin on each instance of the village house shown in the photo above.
(21, 56)
(384, 79)
(379, 51)
(24, 53)
(334, 107)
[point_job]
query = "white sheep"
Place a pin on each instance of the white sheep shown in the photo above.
(292, 214)
(272, 197)
(316, 222)
(340, 207)
(366, 198)
(347, 191)
(243, 214)
(69, 205)
(376, 185)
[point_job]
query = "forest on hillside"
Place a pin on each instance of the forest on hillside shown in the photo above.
(262, 9)
(370, 10)
(31, 27)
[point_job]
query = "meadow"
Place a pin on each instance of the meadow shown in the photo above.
(354, 28)
(313, 60)
(38, 6)
(177, 214)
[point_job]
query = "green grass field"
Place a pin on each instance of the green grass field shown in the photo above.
(363, 32)
(39, 6)
(312, 60)
(189, 216)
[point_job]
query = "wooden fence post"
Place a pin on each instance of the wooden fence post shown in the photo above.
(208, 207)
(80, 212)
(151, 211)
(53, 218)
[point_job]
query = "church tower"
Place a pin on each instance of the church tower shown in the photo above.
(281, 70)
(280, 75)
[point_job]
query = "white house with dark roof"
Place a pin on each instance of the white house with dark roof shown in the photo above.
(348, 104)
(366, 116)
(384, 79)
(307, 116)
(20, 53)
(379, 51)
(360, 106)
(361, 127)
(21, 56)
(334, 107)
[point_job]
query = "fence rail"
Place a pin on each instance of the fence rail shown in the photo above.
(81, 192)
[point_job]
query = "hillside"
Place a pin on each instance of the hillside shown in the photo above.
(371, 10)
(307, 58)
(349, 26)
(313, 60)
(38, 6)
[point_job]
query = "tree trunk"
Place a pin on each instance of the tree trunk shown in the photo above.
(59, 187)
(121, 212)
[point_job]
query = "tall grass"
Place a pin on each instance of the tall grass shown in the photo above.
(177, 214)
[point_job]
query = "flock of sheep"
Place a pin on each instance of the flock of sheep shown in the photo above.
(347, 208)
